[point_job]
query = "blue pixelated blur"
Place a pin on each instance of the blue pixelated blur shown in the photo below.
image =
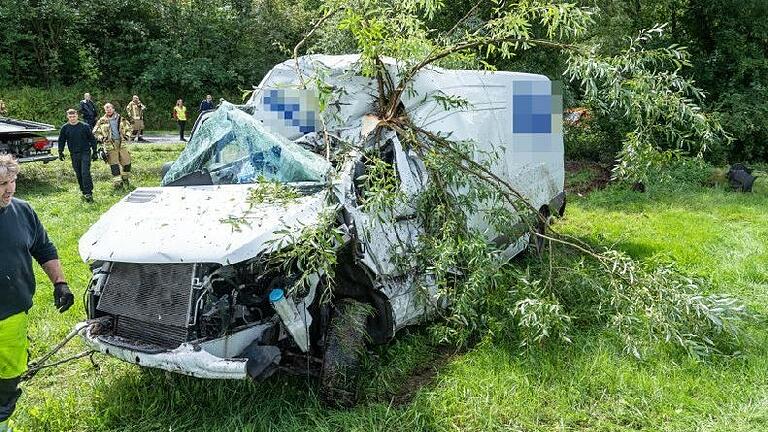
(293, 108)
(532, 104)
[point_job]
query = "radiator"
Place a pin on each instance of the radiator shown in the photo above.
(151, 302)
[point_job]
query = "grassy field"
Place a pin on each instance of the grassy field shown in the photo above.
(586, 385)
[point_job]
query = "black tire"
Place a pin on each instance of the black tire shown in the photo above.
(345, 345)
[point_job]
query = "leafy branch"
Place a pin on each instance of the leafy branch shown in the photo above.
(639, 301)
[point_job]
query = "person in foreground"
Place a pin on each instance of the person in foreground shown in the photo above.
(22, 238)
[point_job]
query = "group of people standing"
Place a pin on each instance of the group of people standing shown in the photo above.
(134, 111)
(24, 240)
(114, 132)
(180, 113)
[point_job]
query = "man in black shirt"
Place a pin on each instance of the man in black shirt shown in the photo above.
(206, 104)
(22, 238)
(88, 110)
(82, 147)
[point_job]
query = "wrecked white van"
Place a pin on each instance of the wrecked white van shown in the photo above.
(182, 276)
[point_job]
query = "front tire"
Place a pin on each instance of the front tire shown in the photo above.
(345, 345)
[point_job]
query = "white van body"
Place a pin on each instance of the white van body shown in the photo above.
(162, 256)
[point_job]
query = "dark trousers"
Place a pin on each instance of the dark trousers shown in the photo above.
(9, 394)
(81, 162)
(182, 125)
(91, 122)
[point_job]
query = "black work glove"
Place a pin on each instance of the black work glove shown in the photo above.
(61, 156)
(62, 296)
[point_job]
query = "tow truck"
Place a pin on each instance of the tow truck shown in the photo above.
(25, 140)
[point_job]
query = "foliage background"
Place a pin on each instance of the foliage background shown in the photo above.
(51, 51)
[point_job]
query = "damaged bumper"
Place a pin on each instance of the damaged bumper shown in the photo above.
(188, 359)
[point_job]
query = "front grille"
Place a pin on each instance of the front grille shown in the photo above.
(154, 334)
(151, 301)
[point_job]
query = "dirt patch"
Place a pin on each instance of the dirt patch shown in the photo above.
(582, 177)
(421, 377)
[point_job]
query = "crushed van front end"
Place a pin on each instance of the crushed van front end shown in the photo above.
(204, 320)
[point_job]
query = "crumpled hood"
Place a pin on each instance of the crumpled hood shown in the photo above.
(189, 224)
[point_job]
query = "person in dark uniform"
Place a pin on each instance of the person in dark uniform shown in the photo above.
(88, 110)
(79, 138)
(207, 104)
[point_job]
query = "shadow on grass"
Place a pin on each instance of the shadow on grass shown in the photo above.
(158, 401)
(39, 187)
(42, 179)
(692, 198)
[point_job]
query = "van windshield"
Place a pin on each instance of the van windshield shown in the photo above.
(234, 148)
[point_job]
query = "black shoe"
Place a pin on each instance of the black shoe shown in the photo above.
(141, 139)
(88, 198)
(183, 140)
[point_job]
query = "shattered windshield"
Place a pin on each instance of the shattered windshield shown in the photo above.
(234, 148)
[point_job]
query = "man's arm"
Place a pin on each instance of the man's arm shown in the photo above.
(97, 131)
(126, 130)
(63, 298)
(53, 269)
(91, 139)
(45, 254)
(62, 139)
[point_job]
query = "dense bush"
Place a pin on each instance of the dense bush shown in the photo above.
(597, 138)
(166, 47)
(728, 42)
(49, 105)
(745, 116)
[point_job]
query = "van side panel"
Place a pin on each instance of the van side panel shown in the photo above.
(515, 117)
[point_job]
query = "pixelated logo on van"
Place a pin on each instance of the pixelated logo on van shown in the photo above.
(536, 107)
(291, 110)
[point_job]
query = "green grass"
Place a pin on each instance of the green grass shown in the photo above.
(587, 385)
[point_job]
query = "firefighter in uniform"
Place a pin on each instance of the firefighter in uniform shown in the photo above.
(135, 111)
(115, 134)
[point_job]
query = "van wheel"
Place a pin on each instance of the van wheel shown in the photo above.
(344, 348)
(541, 226)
